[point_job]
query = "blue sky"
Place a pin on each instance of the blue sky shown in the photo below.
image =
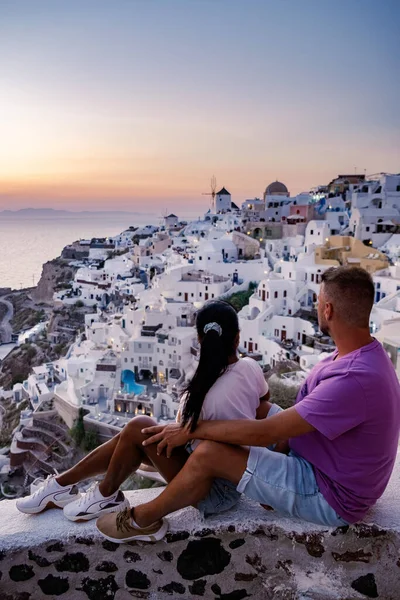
(125, 102)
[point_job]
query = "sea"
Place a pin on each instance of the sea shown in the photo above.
(26, 243)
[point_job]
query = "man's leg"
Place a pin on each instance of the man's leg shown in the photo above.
(194, 480)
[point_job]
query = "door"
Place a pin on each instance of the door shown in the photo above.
(283, 335)
(263, 295)
(186, 296)
(250, 346)
(206, 296)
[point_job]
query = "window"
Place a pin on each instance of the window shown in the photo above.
(245, 344)
(312, 232)
(276, 333)
(284, 293)
(126, 360)
(275, 294)
(131, 360)
(290, 276)
(200, 258)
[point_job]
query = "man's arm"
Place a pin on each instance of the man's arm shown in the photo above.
(243, 432)
(246, 432)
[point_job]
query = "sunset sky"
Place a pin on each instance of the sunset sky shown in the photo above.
(131, 105)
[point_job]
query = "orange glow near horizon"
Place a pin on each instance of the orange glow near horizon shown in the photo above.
(111, 109)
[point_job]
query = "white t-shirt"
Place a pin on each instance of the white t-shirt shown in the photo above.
(235, 395)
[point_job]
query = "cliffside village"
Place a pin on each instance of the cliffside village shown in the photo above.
(144, 286)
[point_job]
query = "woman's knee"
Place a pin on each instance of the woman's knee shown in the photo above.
(135, 426)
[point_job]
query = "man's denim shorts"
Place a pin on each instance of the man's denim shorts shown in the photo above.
(286, 483)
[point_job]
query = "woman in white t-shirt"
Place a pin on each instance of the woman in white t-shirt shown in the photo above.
(223, 387)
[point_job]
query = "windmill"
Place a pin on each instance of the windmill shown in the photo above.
(213, 185)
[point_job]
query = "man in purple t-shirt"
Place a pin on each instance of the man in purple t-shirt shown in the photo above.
(341, 435)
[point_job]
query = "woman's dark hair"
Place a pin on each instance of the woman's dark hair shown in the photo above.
(217, 345)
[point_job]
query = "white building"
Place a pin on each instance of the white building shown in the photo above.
(223, 201)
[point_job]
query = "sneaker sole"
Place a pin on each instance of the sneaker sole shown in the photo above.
(151, 537)
(38, 509)
(83, 518)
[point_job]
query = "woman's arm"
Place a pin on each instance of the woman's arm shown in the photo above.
(263, 409)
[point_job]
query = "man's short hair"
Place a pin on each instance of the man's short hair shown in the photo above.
(351, 292)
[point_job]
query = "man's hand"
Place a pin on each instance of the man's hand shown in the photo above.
(167, 437)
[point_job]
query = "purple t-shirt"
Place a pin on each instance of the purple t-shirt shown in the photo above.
(354, 404)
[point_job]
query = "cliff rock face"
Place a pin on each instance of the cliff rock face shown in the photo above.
(75, 252)
(54, 273)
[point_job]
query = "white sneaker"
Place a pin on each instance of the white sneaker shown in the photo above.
(93, 504)
(49, 495)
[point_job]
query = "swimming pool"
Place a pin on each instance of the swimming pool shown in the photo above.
(129, 383)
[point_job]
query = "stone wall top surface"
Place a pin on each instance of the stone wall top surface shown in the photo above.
(18, 530)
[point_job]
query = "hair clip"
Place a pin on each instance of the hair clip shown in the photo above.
(213, 326)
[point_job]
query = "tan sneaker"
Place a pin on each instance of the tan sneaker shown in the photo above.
(119, 528)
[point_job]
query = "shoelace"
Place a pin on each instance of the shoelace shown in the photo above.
(89, 494)
(45, 483)
(123, 520)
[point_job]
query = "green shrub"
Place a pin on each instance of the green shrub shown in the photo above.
(282, 394)
(78, 429)
(91, 440)
(18, 378)
(240, 299)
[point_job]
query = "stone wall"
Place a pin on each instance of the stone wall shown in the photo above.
(247, 552)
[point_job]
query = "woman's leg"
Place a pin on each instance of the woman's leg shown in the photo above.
(122, 455)
(129, 453)
(93, 464)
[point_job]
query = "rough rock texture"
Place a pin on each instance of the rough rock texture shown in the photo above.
(246, 553)
(54, 273)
